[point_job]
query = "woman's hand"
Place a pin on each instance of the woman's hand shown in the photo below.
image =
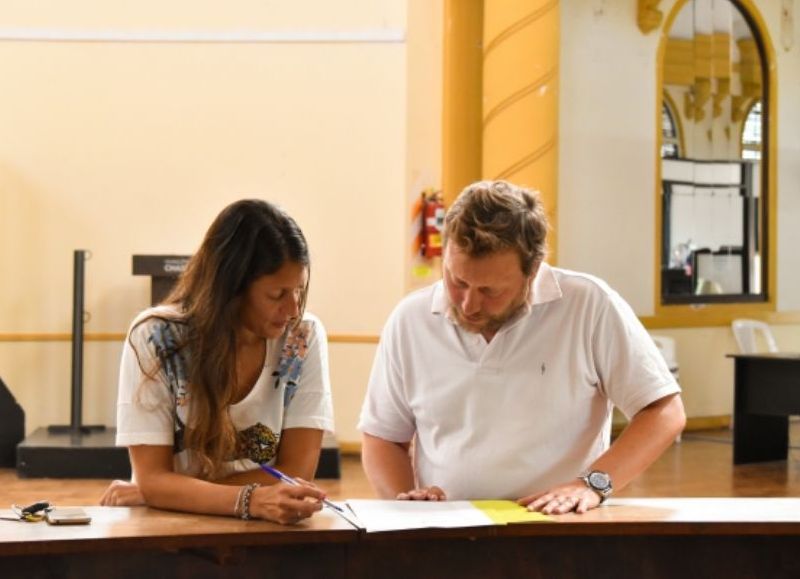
(122, 493)
(431, 493)
(286, 504)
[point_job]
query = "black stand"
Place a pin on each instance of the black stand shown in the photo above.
(76, 414)
(163, 270)
(73, 450)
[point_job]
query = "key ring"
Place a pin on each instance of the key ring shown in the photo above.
(32, 513)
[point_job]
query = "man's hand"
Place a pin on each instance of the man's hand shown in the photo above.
(122, 493)
(432, 493)
(573, 496)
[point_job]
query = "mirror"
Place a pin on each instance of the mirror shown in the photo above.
(713, 111)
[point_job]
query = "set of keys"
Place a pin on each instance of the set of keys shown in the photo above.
(31, 514)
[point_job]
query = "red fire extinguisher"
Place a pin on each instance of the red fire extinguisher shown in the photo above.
(432, 224)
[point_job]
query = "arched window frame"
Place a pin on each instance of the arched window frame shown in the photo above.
(717, 314)
(676, 140)
(751, 148)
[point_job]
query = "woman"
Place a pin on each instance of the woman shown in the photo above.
(227, 374)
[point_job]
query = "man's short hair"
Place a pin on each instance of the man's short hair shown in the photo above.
(491, 216)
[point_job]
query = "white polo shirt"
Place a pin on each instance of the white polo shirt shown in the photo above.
(529, 410)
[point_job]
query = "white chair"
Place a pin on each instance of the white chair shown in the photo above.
(747, 333)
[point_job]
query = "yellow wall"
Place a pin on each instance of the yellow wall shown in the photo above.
(520, 99)
(133, 147)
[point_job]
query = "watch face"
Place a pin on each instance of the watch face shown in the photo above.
(599, 480)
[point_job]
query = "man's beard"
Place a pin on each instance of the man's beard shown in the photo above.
(492, 324)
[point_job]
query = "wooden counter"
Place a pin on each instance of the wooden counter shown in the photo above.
(682, 538)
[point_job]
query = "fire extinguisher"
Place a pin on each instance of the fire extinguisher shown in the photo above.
(432, 224)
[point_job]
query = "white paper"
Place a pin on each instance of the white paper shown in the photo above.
(346, 513)
(377, 515)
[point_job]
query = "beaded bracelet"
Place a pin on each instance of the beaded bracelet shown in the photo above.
(246, 494)
(237, 506)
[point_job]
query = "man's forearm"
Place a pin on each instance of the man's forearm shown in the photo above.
(649, 433)
(387, 465)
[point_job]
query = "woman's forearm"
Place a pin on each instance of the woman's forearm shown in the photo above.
(177, 492)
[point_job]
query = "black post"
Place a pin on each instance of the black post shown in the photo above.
(78, 269)
(75, 426)
(74, 450)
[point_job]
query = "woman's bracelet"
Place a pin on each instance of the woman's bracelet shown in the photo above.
(238, 504)
(243, 501)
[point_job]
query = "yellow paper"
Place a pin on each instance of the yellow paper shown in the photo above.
(505, 512)
(421, 270)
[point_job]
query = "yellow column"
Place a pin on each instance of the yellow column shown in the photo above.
(462, 94)
(520, 97)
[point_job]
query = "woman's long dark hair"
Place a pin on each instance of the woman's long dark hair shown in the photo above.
(248, 239)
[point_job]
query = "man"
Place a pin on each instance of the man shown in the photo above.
(505, 373)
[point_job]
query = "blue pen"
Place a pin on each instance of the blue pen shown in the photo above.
(290, 481)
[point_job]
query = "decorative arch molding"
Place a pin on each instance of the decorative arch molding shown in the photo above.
(648, 16)
(673, 107)
(723, 313)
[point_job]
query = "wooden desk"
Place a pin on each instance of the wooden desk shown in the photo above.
(766, 393)
(682, 538)
(148, 543)
(653, 538)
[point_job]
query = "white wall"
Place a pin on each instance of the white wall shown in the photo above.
(607, 148)
(607, 153)
(607, 183)
(788, 70)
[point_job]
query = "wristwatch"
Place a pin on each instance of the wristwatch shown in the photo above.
(599, 482)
